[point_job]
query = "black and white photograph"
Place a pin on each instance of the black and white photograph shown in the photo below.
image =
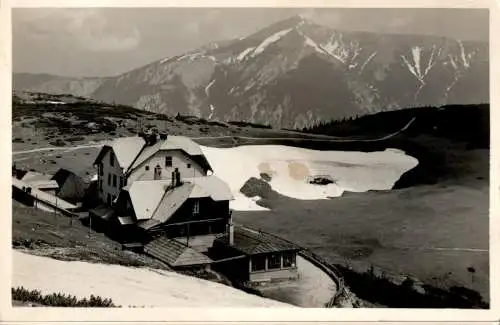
(268, 157)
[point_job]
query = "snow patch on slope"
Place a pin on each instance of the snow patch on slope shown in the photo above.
(345, 53)
(268, 41)
(415, 65)
(243, 54)
(127, 286)
(212, 110)
(290, 169)
(207, 88)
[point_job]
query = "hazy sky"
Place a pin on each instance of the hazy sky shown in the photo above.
(110, 41)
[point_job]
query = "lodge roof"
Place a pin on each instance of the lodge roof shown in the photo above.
(252, 242)
(125, 150)
(175, 253)
(172, 142)
(156, 199)
(133, 151)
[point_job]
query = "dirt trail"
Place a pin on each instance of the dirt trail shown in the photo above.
(94, 145)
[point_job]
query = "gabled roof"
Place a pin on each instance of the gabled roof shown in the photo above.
(210, 186)
(30, 176)
(63, 174)
(44, 184)
(126, 150)
(172, 200)
(175, 253)
(251, 242)
(145, 196)
(156, 199)
(173, 142)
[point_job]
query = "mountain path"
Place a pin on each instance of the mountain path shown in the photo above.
(94, 145)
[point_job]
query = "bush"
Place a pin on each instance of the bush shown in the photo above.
(59, 299)
(58, 143)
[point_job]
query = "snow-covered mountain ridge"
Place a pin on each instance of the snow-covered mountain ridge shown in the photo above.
(295, 73)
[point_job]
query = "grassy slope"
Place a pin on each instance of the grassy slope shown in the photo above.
(52, 235)
(443, 203)
(388, 229)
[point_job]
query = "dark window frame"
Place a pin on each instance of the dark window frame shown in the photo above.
(261, 265)
(114, 180)
(169, 161)
(109, 179)
(274, 261)
(289, 259)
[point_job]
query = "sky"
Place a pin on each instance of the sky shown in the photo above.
(101, 42)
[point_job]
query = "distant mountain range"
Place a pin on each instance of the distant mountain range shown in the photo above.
(292, 74)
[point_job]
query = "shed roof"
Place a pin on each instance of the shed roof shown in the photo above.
(175, 253)
(103, 211)
(30, 176)
(44, 184)
(251, 242)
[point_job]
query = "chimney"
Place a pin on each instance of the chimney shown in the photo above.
(230, 230)
(163, 136)
(173, 179)
(177, 177)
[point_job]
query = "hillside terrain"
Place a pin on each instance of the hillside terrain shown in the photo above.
(292, 74)
(432, 226)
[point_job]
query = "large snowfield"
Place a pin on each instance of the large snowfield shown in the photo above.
(127, 286)
(290, 168)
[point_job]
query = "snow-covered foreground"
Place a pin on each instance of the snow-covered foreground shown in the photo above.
(127, 286)
(290, 168)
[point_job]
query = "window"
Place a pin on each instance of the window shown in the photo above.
(109, 199)
(258, 263)
(289, 260)
(109, 179)
(196, 207)
(111, 159)
(124, 182)
(101, 169)
(274, 261)
(114, 180)
(121, 181)
(188, 165)
(168, 161)
(146, 168)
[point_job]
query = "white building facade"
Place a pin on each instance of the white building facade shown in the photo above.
(129, 159)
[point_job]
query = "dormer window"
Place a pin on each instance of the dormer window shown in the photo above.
(168, 161)
(188, 165)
